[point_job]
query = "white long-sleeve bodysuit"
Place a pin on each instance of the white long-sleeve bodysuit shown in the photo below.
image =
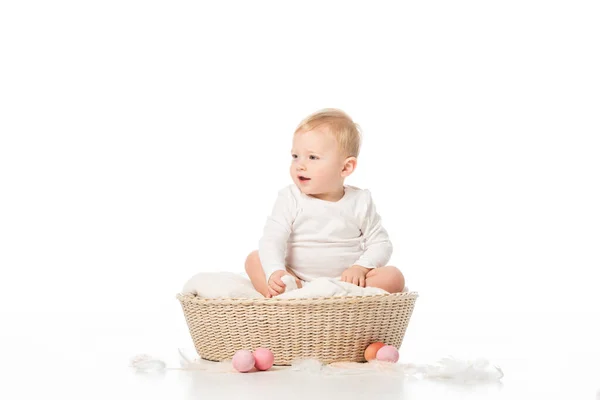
(319, 238)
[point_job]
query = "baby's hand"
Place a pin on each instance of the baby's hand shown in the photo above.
(276, 285)
(356, 275)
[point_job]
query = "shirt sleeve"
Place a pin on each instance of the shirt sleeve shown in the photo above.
(272, 246)
(378, 247)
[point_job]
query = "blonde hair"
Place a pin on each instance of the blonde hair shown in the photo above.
(346, 132)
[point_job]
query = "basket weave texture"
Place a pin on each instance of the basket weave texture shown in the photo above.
(330, 329)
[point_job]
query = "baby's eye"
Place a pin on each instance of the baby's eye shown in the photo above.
(313, 157)
(294, 156)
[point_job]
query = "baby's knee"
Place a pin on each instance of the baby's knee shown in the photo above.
(396, 279)
(388, 278)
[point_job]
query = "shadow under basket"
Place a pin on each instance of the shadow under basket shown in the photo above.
(329, 329)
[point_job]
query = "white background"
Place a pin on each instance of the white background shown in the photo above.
(143, 142)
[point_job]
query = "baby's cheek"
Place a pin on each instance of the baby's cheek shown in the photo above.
(328, 175)
(322, 173)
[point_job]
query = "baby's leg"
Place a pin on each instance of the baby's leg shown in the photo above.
(256, 274)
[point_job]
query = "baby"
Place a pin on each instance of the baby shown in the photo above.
(320, 227)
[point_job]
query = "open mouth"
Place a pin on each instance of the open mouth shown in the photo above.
(303, 178)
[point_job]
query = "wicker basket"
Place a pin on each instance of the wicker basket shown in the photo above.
(329, 329)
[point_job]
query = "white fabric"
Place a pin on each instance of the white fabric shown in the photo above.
(325, 287)
(230, 285)
(318, 238)
(220, 284)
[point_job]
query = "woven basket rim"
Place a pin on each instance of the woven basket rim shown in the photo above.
(189, 297)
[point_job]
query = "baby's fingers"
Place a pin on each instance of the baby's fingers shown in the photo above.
(355, 280)
(277, 288)
(278, 281)
(362, 282)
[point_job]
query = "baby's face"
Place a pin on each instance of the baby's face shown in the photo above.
(317, 163)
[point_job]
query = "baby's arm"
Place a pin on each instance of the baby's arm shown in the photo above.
(378, 247)
(273, 243)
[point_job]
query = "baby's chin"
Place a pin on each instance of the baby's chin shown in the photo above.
(304, 189)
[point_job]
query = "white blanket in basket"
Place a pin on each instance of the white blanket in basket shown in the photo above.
(230, 285)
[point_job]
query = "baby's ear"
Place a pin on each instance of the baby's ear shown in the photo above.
(349, 166)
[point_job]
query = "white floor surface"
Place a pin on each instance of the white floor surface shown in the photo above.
(86, 356)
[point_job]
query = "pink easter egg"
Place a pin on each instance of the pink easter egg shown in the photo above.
(243, 360)
(263, 359)
(388, 353)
